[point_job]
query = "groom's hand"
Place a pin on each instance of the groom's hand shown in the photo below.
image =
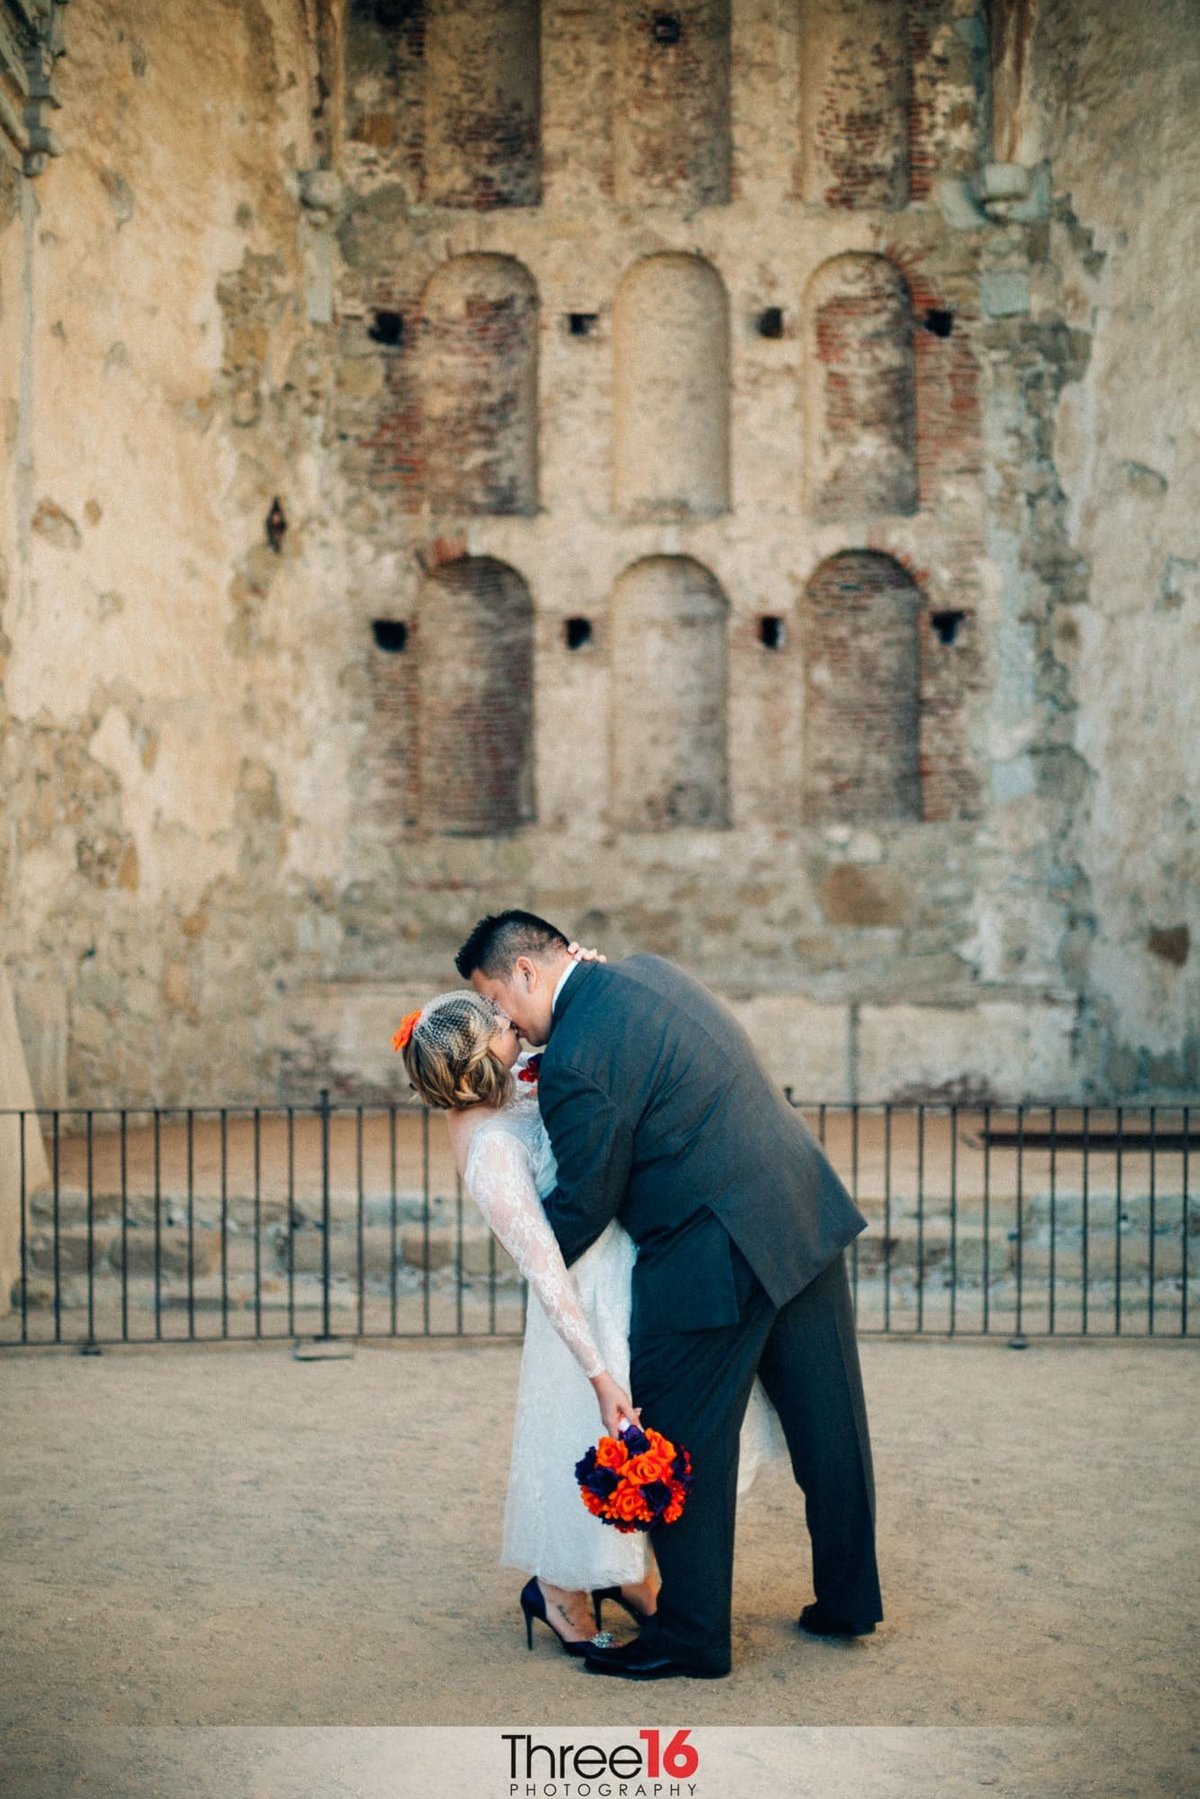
(579, 954)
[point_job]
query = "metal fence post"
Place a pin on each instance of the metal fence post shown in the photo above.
(325, 1217)
(90, 1345)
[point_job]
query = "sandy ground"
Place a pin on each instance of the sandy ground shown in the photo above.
(227, 1537)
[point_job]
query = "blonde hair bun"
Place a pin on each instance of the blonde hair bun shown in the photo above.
(449, 1057)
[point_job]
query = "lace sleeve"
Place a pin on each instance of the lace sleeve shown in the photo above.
(499, 1180)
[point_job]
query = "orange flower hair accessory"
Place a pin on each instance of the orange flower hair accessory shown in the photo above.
(408, 1025)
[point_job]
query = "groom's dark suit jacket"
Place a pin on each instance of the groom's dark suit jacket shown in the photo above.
(660, 1114)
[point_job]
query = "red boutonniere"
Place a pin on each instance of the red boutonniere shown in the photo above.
(529, 1073)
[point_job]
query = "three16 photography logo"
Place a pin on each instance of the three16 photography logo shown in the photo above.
(649, 1768)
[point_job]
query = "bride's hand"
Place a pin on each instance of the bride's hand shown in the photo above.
(616, 1407)
(579, 954)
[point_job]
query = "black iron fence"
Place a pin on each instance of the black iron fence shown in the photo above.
(339, 1220)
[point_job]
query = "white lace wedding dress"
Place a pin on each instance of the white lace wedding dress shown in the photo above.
(577, 1323)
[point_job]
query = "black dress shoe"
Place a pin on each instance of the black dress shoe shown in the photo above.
(635, 1661)
(818, 1623)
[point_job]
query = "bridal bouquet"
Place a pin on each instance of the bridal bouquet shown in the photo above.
(635, 1481)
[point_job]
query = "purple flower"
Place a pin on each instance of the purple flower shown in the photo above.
(636, 1441)
(584, 1467)
(657, 1495)
(601, 1482)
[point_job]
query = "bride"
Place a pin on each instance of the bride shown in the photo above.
(461, 1052)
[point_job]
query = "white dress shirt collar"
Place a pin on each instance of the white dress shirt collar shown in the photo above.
(563, 978)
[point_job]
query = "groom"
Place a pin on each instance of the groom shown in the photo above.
(660, 1114)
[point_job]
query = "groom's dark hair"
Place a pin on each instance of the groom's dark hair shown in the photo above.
(495, 944)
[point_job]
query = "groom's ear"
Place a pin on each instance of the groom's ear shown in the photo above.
(525, 970)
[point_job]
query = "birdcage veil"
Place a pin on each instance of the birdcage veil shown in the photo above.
(448, 1021)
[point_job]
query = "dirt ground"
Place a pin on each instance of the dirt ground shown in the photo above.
(227, 1537)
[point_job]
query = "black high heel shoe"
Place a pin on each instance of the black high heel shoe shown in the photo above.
(533, 1605)
(600, 1594)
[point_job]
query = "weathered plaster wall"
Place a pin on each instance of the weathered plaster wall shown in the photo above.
(234, 839)
(166, 670)
(1113, 98)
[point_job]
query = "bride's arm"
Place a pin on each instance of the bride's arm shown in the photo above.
(500, 1183)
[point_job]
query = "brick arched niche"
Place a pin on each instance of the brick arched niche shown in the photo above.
(668, 659)
(861, 691)
(861, 452)
(475, 699)
(482, 102)
(670, 119)
(854, 76)
(477, 375)
(671, 390)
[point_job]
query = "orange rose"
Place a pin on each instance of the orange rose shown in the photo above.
(594, 1504)
(628, 1503)
(648, 1466)
(405, 1031)
(611, 1454)
(660, 1445)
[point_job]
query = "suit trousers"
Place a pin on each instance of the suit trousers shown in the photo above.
(694, 1386)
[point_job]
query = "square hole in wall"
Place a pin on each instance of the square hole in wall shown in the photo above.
(770, 322)
(582, 324)
(387, 328)
(391, 14)
(577, 632)
(947, 625)
(771, 631)
(390, 634)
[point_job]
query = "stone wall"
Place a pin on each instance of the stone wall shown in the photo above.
(717, 474)
(168, 672)
(1113, 537)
